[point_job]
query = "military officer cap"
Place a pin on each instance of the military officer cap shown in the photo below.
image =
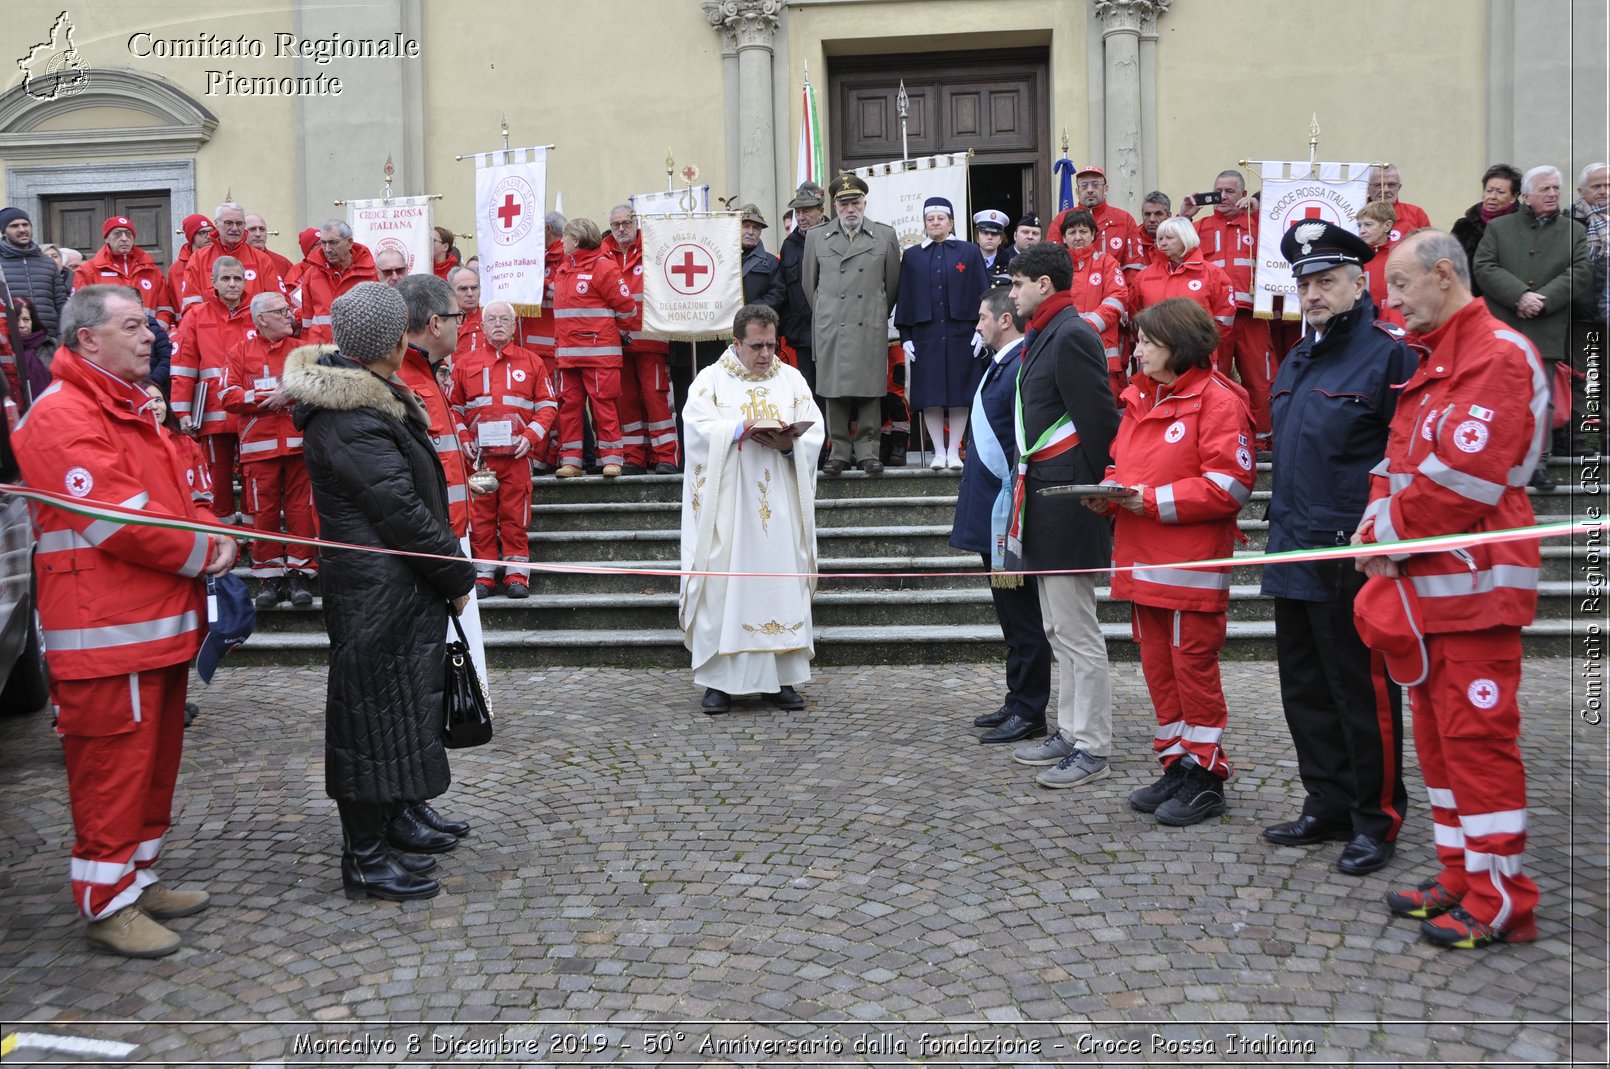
(1314, 245)
(847, 187)
(809, 195)
(749, 213)
(1029, 219)
(991, 221)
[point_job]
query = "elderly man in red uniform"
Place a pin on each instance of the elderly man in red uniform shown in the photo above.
(123, 263)
(1229, 238)
(122, 610)
(505, 410)
(1469, 429)
(205, 336)
(648, 430)
(537, 332)
(273, 477)
(257, 238)
(338, 264)
(466, 286)
(1385, 182)
(262, 276)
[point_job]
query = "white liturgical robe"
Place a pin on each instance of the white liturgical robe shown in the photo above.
(748, 508)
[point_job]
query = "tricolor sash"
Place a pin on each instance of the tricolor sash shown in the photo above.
(1057, 439)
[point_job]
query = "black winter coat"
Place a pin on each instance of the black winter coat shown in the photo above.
(1066, 371)
(796, 310)
(377, 482)
(763, 278)
(31, 274)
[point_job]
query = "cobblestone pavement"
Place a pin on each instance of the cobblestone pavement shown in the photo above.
(858, 874)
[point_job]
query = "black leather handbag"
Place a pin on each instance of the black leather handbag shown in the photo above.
(466, 712)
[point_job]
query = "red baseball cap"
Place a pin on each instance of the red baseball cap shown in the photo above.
(1387, 613)
(1090, 168)
(115, 222)
(193, 225)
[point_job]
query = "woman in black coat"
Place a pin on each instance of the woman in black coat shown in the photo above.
(377, 482)
(1500, 196)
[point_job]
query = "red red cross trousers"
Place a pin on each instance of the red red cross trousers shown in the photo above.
(510, 211)
(688, 270)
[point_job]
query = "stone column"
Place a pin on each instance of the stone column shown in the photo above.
(753, 23)
(714, 11)
(1148, 95)
(1127, 94)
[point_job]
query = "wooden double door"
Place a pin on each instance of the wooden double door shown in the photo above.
(995, 103)
(75, 221)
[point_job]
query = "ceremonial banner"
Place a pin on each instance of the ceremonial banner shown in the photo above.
(401, 224)
(670, 202)
(511, 195)
(811, 165)
(1293, 192)
(692, 275)
(895, 193)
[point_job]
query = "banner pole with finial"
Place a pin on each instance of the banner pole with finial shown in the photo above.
(670, 169)
(1313, 142)
(391, 171)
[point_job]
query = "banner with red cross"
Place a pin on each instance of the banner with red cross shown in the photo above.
(692, 275)
(401, 225)
(511, 197)
(1292, 193)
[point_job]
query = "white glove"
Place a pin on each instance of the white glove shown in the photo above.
(978, 344)
(911, 351)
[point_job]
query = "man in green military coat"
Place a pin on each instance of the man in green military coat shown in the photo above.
(851, 277)
(1530, 267)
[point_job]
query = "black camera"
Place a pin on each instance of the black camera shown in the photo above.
(1212, 196)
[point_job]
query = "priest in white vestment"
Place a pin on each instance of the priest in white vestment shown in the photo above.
(749, 505)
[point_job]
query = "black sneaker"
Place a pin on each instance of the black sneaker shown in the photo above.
(1147, 799)
(270, 592)
(1541, 479)
(633, 469)
(665, 467)
(301, 595)
(1200, 795)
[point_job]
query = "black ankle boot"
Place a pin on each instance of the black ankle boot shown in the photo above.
(432, 819)
(368, 865)
(409, 834)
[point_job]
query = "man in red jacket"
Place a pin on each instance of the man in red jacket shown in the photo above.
(338, 264)
(122, 610)
(205, 336)
(1116, 230)
(1229, 237)
(1385, 182)
(257, 238)
(466, 286)
(198, 232)
(123, 263)
(273, 476)
(1469, 429)
(505, 411)
(262, 276)
(648, 430)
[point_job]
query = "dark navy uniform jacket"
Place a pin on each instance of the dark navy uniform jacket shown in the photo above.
(976, 498)
(1331, 405)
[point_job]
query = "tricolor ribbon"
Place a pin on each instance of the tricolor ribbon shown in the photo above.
(1434, 544)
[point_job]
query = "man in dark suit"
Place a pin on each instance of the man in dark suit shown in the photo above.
(983, 510)
(1066, 421)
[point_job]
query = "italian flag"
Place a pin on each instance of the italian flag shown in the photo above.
(812, 165)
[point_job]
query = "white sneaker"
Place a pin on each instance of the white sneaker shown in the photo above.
(938, 463)
(954, 463)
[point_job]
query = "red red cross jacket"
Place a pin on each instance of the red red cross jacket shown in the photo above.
(1201, 282)
(321, 284)
(1468, 432)
(1411, 217)
(1231, 245)
(252, 370)
(416, 374)
(262, 276)
(200, 350)
(630, 262)
(537, 332)
(1117, 233)
(1189, 444)
(590, 302)
(1098, 294)
(471, 334)
(137, 271)
(114, 598)
(492, 386)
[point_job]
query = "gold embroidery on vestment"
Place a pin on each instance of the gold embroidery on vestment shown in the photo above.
(773, 627)
(765, 502)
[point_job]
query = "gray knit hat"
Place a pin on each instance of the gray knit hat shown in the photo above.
(368, 321)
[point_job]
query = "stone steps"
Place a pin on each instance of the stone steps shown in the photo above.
(907, 644)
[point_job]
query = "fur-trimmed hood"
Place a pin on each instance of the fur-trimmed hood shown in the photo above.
(319, 377)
